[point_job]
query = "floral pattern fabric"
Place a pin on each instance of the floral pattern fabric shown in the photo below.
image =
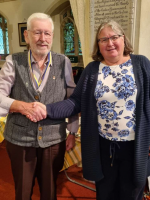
(115, 93)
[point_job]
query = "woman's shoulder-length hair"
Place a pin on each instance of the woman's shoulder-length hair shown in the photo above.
(96, 54)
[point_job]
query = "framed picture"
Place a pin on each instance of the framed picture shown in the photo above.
(21, 28)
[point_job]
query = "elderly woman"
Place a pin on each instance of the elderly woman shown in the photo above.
(113, 96)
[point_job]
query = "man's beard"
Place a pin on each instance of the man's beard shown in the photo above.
(40, 52)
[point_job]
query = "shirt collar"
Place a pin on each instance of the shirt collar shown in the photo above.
(33, 61)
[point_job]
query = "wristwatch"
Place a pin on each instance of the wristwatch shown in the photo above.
(72, 133)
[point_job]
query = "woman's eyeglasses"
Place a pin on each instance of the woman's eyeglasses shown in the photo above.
(105, 40)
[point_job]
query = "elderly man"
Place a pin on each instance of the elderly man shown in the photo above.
(36, 149)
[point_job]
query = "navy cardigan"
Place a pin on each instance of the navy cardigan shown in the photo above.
(83, 100)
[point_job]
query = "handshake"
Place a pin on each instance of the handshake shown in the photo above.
(39, 112)
(35, 111)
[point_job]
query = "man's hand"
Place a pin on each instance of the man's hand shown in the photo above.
(70, 142)
(39, 107)
(33, 112)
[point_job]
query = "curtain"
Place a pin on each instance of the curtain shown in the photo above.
(78, 9)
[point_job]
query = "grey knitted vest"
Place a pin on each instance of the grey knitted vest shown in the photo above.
(21, 131)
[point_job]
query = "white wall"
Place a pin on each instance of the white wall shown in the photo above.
(56, 47)
(144, 34)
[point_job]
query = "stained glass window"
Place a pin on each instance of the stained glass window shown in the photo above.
(71, 13)
(69, 39)
(1, 42)
(79, 46)
(65, 15)
(4, 43)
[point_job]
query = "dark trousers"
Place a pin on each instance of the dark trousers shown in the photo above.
(43, 163)
(117, 163)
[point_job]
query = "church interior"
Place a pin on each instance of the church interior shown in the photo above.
(75, 22)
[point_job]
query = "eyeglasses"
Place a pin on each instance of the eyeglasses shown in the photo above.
(39, 33)
(105, 40)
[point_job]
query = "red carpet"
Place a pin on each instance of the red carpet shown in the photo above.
(66, 190)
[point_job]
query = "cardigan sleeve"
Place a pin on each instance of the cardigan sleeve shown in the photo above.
(144, 63)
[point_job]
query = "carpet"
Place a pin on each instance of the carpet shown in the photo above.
(66, 190)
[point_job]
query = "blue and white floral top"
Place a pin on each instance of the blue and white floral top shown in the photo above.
(115, 93)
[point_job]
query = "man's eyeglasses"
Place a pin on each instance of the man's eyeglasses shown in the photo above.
(39, 33)
(105, 40)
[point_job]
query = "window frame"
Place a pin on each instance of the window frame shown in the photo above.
(65, 17)
(4, 28)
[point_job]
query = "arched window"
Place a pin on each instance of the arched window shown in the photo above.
(68, 33)
(4, 43)
(79, 46)
(70, 41)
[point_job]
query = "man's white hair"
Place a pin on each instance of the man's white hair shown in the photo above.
(39, 16)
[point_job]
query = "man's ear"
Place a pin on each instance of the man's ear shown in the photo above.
(26, 37)
(52, 35)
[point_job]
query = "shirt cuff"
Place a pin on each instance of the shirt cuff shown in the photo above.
(73, 124)
(6, 102)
